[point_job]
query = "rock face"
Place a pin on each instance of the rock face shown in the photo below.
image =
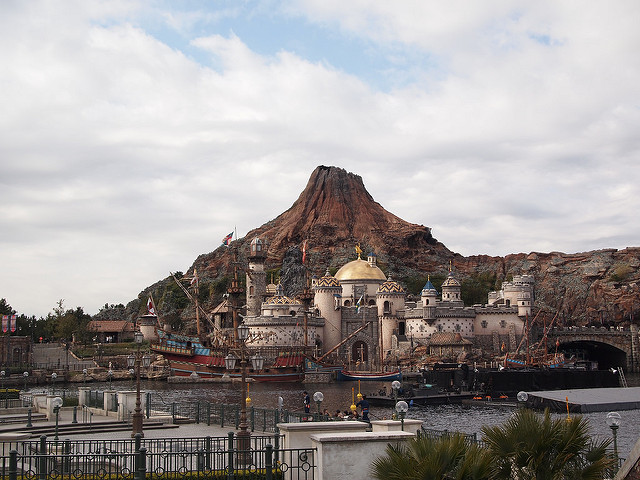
(335, 211)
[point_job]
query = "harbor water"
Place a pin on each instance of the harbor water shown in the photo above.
(339, 396)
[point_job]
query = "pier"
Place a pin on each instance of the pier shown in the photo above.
(586, 400)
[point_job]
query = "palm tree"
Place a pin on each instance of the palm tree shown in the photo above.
(533, 446)
(423, 458)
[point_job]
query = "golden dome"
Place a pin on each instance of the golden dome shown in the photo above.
(359, 270)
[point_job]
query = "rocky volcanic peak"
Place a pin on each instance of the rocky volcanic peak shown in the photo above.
(335, 211)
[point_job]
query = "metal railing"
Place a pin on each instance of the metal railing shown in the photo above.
(219, 458)
(258, 419)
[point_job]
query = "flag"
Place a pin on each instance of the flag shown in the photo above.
(304, 251)
(359, 302)
(5, 323)
(226, 240)
(12, 323)
(151, 308)
(194, 280)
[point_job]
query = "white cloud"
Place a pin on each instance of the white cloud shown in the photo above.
(509, 127)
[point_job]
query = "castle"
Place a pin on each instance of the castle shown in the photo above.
(363, 315)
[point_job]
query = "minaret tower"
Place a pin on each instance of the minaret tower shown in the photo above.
(256, 277)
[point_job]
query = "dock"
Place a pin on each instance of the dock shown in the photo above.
(585, 400)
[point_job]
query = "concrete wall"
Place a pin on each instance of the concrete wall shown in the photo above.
(350, 455)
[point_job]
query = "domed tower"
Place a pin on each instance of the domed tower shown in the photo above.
(451, 290)
(256, 277)
(390, 300)
(429, 298)
(327, 298)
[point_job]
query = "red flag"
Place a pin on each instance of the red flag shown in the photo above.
(304, 251)
(5, 323)
(12, 323)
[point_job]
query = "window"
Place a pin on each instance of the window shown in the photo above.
(503, 323)
(347, 303)
(458, 327)
(484, 323)
(386, 307)
(292, 313)
(251, 290)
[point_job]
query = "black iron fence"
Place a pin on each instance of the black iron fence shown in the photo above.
(210, 458)
(258, 419)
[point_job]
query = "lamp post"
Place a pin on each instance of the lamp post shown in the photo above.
(402, 407)
(54, 375)
(614, 420)
(395, 386)
(257, 361)
(84, 377)
(137, 361)
(26, 376)
(57, 403)
(318, 397)
(4, 392)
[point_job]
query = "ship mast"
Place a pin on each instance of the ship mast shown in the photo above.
(234, 291)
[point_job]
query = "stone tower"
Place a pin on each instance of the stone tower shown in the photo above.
(256, 277)
(390, 303)
(327, 299)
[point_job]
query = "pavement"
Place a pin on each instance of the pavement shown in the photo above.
(14, 422)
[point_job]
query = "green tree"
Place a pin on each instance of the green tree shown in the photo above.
(5, 308)
(534, 446)
(448, 457)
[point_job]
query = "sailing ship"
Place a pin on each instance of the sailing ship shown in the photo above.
(535, 355)
(204, 356)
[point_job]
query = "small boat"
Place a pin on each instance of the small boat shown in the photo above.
(421, 395)
(344, 375)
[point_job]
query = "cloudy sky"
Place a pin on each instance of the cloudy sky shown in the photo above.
(135, 134)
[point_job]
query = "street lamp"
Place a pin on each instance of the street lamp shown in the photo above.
(54, 375)
(26, 376)
(614, 420)
(57, 403)
(402, 407)
(395, 386)
(84, 377)
(257, 362)
(318, 397)
(137, 361)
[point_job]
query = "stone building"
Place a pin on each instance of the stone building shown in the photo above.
(364, 316)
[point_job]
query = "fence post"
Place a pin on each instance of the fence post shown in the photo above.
(13, 465)
(66, 452)
(230, 472)
(75, 415)
(276, 437)
(207, 447)
(137, 442)
(29, 424)
(42, 458)
(142, 463)
(268, 461)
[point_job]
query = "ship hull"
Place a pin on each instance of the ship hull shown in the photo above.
(344, 375)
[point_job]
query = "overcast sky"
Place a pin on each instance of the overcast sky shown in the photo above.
(134, 135)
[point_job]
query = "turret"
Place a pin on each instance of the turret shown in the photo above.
(256, 277)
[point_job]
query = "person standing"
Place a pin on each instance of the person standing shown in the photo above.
(307, 402)
(364, 408)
